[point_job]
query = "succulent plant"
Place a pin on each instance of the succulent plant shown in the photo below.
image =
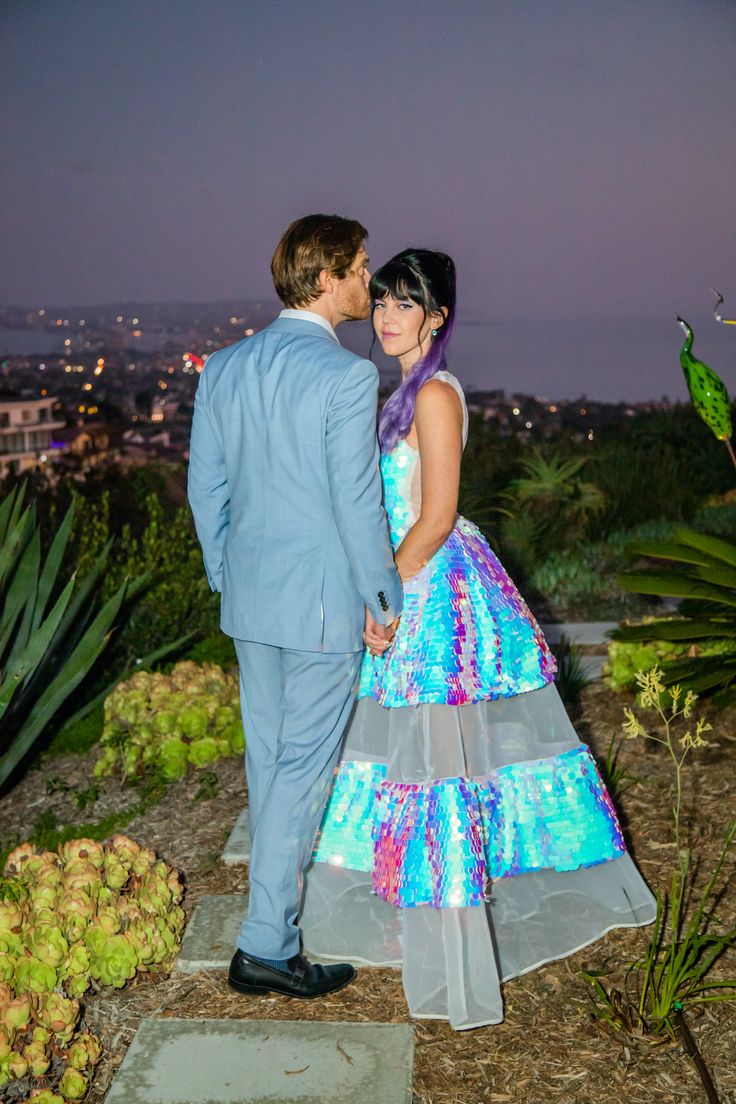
(73, 1084)
(17, 1012)
(57, 1013)
(85, 849)
(7, 1038)
(113, 960)
(33, 976)
(38, 1057)
(90, 911)
(166, 723)
(48, 944)
(17, 1065)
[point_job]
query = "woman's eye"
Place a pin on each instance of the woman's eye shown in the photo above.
(379, 304)
(406, 306)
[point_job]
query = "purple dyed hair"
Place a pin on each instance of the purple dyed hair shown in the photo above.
(428, 279)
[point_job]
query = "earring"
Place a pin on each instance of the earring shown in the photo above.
(434, 333)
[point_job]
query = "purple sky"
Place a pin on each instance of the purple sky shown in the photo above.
(576, 156)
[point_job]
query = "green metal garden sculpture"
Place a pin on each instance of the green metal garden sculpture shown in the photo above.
(707, 391)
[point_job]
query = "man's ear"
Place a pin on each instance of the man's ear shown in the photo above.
(326, 282)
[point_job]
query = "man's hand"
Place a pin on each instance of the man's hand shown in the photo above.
(378, 637)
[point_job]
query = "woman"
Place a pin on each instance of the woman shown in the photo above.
(469, 836)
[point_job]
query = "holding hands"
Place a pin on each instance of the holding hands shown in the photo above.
(378, 638)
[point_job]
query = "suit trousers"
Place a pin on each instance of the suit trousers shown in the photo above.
(296, 706)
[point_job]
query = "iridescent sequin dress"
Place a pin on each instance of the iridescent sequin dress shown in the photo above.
(469, 836)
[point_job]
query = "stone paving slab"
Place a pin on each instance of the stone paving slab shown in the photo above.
(237, 848)
(175, 1061)
(209, 937)
(579, 632)
(593, 666)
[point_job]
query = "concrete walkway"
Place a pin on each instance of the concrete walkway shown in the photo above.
(578, 632)
(209, 937)
(237, 848)
(176, 1061)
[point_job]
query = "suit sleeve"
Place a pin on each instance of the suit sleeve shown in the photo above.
(207, 489)
(355, 488)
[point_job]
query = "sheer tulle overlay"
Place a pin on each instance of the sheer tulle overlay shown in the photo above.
(469, 836)
(454, 959)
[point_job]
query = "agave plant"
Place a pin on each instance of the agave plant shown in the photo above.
(701, 571)
(51, 631)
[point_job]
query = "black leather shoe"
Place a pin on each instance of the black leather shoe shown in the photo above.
(304, 979)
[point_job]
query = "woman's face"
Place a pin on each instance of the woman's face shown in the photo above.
(402, 327)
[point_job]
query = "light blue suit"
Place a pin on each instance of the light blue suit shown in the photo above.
(286, 495)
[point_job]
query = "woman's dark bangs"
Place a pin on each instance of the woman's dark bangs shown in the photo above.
(398, 281)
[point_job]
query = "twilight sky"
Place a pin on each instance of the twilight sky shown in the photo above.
(576, 156)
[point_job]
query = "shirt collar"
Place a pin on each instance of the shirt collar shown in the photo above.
(309, 316)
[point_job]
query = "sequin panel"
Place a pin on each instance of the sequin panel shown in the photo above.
(437, 844)
(466, 634)
(345, 837)
(429, 844)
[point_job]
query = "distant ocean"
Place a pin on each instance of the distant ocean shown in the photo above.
(602, 359)
(629, 360)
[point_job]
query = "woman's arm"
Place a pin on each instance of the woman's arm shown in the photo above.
(438, 419)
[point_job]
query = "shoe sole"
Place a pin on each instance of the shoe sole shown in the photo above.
(242, 987)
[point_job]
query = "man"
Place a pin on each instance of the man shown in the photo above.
(286, 495)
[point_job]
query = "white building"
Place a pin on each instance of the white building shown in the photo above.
(26, 427)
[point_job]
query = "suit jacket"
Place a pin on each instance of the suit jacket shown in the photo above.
(285, 490)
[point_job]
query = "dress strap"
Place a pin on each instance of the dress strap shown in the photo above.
(447, 377)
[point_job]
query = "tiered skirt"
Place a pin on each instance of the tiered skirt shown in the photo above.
(469, 837)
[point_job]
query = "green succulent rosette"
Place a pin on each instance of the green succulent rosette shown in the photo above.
(169, 723)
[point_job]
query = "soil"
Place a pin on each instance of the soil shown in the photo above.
(550, 1047)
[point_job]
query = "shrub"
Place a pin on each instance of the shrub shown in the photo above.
(177, 603)
(626, 658)
(580, 583)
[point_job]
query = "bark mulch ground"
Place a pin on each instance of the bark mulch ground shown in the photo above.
(550, 1046)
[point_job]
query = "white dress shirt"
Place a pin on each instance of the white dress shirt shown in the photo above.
(309, 316)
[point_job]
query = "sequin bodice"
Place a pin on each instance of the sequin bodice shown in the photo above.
(401, 473)
(402, 490)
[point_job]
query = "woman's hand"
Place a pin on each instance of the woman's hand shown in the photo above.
(378, 638)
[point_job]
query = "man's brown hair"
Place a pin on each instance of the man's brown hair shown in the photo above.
(309, 245)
